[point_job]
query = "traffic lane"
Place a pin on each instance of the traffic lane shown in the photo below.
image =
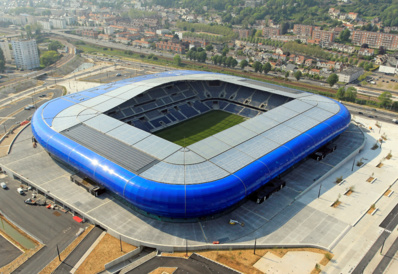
(8, 252)
(19, 106)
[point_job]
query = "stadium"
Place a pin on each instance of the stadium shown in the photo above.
(186, 144)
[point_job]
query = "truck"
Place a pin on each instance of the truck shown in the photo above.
(21, 191)
(395, 121)
(92, 187)
(264, 192)
(321, 153)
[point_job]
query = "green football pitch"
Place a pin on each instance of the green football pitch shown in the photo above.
(199, 128)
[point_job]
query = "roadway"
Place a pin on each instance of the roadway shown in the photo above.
(42, 223)
(68, 264)
(194, 264)
(389, 224)
(14, 112)
(8, 252)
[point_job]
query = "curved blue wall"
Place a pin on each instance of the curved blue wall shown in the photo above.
(182, 201)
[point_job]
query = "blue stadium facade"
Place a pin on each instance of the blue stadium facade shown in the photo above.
(92, 132)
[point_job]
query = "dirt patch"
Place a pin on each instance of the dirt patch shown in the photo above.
(316, 271)
(370, 211)
(55, 263)
(243, 259)
(164, 270)
(336, 204)
(107, 250)
(387, 192)
(56, 213)
(370, 179)
(348, 192)
(326, 259)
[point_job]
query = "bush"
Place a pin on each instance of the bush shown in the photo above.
(328, 256)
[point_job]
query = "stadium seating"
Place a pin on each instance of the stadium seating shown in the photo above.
(233, 108)
(166, 105)
(259, 98)
(202, 108)
(188, 111)
(159, 122)
(157, 93)
(248, 112)
(177, 115)
(152, 114)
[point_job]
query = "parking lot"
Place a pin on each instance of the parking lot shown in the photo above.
(51, 227)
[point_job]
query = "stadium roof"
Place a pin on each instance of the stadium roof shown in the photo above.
(82, 119)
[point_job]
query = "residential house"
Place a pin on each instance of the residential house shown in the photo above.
(299, 60)
(366, 52)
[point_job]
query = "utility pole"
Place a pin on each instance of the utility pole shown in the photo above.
(255, 245)
(121, 246)
(59, 257)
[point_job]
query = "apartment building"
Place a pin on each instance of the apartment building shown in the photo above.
(269, 32)
(375, 39)
(303, 30)
(323, 36)
(26, 54)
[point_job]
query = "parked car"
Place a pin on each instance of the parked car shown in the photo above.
(3, 185)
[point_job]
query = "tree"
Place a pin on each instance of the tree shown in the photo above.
(209, 47)
(287, 74)
(234, 63)
(345, 35)
(385, 99)
(177, 60)
(28, 30)
(340, 93)
(382, 50)
(332, 79)
(257, 66)
(350, 94)
(55, 45)
(2, 61)
(48, 58)
(298, 75)
(243, 64)
(267, 67)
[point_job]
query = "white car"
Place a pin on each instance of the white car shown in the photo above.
(3, 185)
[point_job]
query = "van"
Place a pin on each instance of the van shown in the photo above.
(20, 191)
(3, 185)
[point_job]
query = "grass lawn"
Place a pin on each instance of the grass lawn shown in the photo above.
(199, 128)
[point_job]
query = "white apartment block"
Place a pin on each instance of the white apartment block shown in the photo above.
(58, 23)
(45, 24)
(6, 50)
(26, 54)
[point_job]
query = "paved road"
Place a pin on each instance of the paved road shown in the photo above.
(8, 252)
(195, 265)
(68, 264)
(389, 223)
(382, 266)
(40, 222)
(10, 109)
